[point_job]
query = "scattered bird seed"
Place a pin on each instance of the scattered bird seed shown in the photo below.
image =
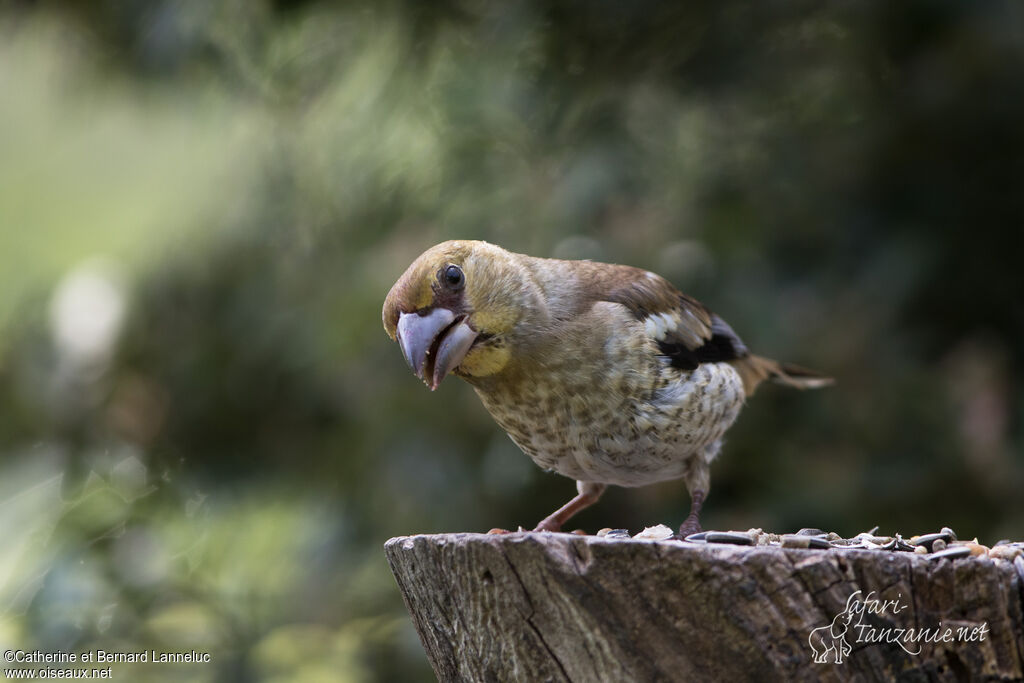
(936, 546)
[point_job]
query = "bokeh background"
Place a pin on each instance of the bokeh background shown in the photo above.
(206, 436)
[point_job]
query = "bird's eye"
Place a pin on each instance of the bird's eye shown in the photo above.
(454, 277)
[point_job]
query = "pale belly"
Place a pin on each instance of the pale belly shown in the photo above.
(620, 433)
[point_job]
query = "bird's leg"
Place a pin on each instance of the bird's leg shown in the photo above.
(588, 494)
(692, 523)
(698, 481)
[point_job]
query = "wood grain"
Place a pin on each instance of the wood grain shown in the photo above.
(559, 607)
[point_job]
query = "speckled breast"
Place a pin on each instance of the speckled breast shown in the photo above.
(629, 429)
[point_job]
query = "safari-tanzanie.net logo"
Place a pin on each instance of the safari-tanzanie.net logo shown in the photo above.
(834, 642)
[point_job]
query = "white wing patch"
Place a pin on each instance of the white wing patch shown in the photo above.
(660, 325)
(682, 325)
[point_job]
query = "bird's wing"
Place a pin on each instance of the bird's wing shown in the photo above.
(683, 328)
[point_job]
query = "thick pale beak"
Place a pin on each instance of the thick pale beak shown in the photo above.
(434, 344)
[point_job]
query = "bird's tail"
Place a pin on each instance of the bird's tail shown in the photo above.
(755, 369)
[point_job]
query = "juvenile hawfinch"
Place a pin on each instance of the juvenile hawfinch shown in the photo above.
(603, 373)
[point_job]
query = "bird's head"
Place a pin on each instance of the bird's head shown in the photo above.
(455, 308)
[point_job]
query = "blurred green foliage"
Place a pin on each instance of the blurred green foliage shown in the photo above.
(205, 436)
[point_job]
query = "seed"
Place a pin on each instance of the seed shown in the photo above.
(798, 541)
(732, 537)
(928, 539)
(953, 553)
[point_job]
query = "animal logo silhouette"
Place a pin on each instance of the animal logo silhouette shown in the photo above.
(832, 638)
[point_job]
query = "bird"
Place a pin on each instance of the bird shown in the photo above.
(603, 373)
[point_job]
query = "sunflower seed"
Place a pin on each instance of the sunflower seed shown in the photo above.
(928, 540)
(953, 553)
(732, 537)
(798, 541)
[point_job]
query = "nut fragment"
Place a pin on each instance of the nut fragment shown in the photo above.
(1005, 552)
(656, 533)
(977, 548)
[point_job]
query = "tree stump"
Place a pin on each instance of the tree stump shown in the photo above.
(561, 607)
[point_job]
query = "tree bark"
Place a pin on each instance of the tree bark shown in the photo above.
(559, 607)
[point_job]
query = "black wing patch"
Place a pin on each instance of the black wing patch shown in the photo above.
(723, 345)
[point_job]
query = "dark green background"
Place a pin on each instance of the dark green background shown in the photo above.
(237, 185)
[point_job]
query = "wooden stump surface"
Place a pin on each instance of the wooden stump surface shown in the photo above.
(559, 607)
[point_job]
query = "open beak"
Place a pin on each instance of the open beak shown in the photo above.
(434, 344)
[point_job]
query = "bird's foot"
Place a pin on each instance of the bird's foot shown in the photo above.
(690, 526)
(549, 524)
(496, 530)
